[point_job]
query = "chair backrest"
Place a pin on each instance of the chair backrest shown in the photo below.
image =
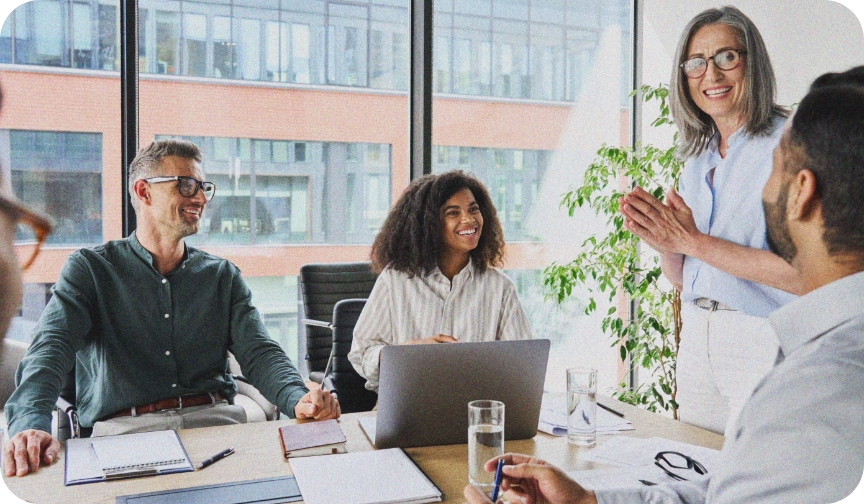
(350, 386)
(322, 286)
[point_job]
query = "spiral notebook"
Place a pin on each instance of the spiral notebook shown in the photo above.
(128, 456)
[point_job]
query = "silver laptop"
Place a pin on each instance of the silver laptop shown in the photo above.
(424, 390)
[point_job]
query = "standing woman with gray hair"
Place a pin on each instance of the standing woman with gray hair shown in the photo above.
(711, 237)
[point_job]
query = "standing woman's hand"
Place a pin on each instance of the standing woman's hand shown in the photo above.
(668, 229)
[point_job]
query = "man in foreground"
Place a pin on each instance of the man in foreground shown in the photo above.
(800, 437)
(147, 322)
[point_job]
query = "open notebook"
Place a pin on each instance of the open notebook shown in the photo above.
(127, 456)
(369, 477)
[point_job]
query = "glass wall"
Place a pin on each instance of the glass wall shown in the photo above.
(59, 140)
(300, 110)
(526, 91)
(538, 49)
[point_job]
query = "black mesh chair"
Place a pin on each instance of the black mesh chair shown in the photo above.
(322, 287)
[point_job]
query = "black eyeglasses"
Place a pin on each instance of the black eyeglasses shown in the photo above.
(668, 460)
(187, 186)
(31, 229)
(727, 59)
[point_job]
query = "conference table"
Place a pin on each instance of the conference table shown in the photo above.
(259, 455)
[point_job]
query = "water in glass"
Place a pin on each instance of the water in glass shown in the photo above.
(582, 416)
(484, 443)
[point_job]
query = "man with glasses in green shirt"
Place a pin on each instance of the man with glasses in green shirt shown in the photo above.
(147, 322)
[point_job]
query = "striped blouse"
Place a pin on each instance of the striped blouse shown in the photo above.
(475, 307)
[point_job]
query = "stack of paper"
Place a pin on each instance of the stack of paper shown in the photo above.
(553, 417)
(635, 460)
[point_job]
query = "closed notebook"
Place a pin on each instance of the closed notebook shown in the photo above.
(312, 438)
(367, 477)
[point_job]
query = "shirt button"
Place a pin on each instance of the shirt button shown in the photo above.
(164, 280)
(166, 315)
(167, 352)
(173, 385)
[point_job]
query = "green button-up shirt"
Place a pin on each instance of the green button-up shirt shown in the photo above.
(135, 337)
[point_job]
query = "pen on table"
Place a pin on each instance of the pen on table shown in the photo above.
(215, 458)
(497, 484)
(610, 410)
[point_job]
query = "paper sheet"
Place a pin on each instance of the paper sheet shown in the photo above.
(553, 417)
(628, 451)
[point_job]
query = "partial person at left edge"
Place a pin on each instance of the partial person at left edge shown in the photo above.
(147, 321)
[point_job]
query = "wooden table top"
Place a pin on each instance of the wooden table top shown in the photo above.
(258, 455)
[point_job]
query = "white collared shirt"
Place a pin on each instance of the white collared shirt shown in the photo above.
(800, 437)
(474, 307)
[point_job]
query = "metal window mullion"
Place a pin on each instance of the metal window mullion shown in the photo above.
(420, 89)
(129, 103)
(637, 11)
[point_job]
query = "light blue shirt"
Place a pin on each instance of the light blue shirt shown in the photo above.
(731, 210)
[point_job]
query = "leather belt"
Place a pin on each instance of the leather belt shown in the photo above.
(171, 403)
(711, 305)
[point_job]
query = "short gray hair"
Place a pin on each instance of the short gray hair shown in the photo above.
(695, 127)
(149, 159)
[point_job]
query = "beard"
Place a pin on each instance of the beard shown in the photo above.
(186, 229)
(777, 228)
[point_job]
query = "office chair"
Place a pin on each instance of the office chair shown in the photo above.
(340, 376)
(322, 287)
(257, 407)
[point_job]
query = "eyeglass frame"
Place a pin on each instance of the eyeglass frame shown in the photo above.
(20, 214)
(692, 464)
(740, 52)
(199, 184)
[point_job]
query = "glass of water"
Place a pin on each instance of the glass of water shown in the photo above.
(485, 440)
(582, 406)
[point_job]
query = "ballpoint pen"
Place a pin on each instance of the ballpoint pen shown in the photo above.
(497, 483)
(215, 458)
(610, 410)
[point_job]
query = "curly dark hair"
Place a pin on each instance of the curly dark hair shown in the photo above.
(410, 239)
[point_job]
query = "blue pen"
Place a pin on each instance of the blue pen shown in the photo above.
(497, 483)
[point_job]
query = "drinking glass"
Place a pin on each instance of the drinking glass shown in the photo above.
(485, 440)
(582, 406)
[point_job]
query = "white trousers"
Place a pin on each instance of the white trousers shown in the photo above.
(723, 356)
(207, 415)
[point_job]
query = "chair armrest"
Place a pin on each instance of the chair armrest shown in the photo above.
(317, 323)
(271, 412)
(68, 426)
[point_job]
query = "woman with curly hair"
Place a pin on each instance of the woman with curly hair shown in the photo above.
(436, 255)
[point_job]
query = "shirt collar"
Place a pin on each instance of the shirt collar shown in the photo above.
(714, 143)
(147, 257)
(468, 271)
(817, 312)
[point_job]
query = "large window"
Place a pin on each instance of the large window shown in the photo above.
(534, 137)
